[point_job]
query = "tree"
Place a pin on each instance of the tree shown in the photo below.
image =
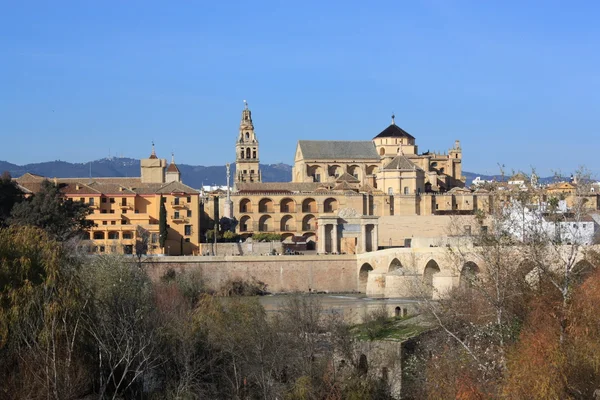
(9, 196)
(122, 326)
(62, 218)
(228, 224)
(142, 236)
(42, 343)
(163, 228)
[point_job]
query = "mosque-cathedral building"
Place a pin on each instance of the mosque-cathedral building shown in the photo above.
(347, 196)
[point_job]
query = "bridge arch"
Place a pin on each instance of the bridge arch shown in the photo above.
(363, 277)
(431, 268)
(395, 265)
(468, 274)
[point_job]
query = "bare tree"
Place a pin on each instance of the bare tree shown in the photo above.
(121, 325)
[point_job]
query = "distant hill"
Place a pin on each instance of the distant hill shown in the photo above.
(192, 175)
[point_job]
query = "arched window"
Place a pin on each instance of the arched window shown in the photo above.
(253, 153)
(242, 154)
(406, 190)
(382, 151)
(247, 135)
(247, 153)
(390, 191)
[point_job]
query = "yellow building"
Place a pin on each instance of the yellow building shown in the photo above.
(125, 210)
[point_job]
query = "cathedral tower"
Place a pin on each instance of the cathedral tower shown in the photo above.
(246, 161)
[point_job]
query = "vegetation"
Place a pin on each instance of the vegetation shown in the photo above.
(163, 228)
(62, 218)
(266, 237)
(518, 328)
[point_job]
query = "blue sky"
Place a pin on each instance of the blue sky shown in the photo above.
(517, 82)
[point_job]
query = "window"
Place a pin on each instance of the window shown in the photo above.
(317, 177)
(127, 235)
(189, 213)
(112, 200)
(187, 240)
(189, 199)
(82, 199)
(437, 206)
(91, 201)
(583, 226)
(123, 222)
(188, 230)
(102, 249)
(154, 238)
(112, 211)
(390, 191)
(103, 211)
(104, 222)
(176, 215)
(124, 201)
(113, 222)
(406, 190)
(124, 211)
(176, 201)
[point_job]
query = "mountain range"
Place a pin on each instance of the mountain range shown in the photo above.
(192, 175)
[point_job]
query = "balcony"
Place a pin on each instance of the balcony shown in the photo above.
(179, 219)
(125, 207)
(178, 205)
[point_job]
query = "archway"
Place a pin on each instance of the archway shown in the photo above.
(245, 224)
(98, 235)
(265, 205)
(287, 238)
(363, 277)
(310, 239)
(309, 223)
(265, 224)
(245, 206)
(468, 274)
(335, 171)
(372, 169)
(363, 365)
(287, 224)
(309, 205)
(355, 171)
(394, 265)
(314, 171)
(287, 205)
(431, 268)
(330, 205)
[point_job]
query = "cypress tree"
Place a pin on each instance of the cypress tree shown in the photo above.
(162, 223)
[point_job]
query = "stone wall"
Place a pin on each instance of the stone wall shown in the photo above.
(326, 273)
(247, 248)
(400, 227)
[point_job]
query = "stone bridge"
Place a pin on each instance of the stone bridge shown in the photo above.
(428, 271)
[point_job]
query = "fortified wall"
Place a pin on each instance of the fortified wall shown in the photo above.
(330, 273)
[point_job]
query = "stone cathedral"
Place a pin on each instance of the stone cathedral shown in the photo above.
(348, 196)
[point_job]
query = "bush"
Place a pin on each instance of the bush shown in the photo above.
(266, 237)
(241, 287)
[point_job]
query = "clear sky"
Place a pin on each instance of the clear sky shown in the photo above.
(518, 82)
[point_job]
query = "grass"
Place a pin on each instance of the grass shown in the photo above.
(397, 329)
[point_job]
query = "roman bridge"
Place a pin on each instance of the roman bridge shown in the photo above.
(429, 271)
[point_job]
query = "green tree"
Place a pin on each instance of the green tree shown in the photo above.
(62, 218)
(9, 196)
(162, 223)
(42, 343)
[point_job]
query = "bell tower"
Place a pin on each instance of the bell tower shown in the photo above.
(246, 160)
